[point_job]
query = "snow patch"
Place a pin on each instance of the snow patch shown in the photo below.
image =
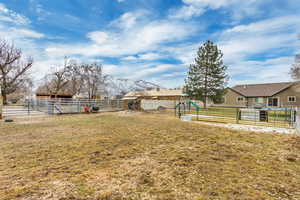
(242, 127)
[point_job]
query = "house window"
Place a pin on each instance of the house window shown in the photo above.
(259, 100)
(240, 99)
(273, 101)
(291, 99)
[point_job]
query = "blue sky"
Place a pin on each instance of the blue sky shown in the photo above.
(156, 40)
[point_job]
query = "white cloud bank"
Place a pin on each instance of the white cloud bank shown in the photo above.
(7, 15)
(238, 8)
(130, 38)
(139, 42)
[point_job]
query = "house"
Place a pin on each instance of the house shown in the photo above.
(159, 96)
(284, 94)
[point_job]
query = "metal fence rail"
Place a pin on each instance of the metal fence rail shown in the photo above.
(38, 107)
(20, 111)
(69, 106)
(272, 117)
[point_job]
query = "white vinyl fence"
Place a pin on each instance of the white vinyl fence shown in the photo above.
(297, 123)
(156, 104)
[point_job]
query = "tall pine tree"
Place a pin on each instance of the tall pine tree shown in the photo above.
(207, 76)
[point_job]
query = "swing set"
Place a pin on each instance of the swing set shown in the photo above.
(186, 106)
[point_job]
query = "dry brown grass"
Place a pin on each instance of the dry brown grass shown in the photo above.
(145, 156)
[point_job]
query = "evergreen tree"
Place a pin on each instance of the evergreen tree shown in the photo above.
(207, 76)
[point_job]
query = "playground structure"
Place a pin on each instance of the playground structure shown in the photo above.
(273, 117)
(184, 107)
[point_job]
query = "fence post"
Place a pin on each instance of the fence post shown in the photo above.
(297, 121)
(28, 107)
(237, 115)
(78, 106)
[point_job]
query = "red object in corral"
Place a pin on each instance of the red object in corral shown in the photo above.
(86, 109)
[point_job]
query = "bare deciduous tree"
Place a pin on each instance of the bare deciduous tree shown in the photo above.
(81, 79)
(93, 80)
(89, 81)
(57, 80)
(13, 69)
(295, 69)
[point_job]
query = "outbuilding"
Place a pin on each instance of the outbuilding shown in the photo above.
(153, 99)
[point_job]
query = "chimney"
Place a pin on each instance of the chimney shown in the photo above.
(245, 86)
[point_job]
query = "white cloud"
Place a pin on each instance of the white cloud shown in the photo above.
(153, 69)
(129, 19)
(273, 25)
(136, 40)
(141, 41)
(99, 37)
(187, 12)
(95, 60)
(243, 41)
(270, 38)
(144, 57)
(7, 15)
(150, 56)
(27, 33)
(238, 8)
(265, 71)
(130, 58)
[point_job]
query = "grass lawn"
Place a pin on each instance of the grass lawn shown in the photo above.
(146, 156)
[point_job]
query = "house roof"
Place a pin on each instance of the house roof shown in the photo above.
(153, 93)
(261, 90)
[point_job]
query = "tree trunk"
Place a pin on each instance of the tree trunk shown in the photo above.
(4, 98)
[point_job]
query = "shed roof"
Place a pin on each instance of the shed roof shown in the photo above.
(261, 90)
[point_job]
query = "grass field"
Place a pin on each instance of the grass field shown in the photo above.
(143, 156)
